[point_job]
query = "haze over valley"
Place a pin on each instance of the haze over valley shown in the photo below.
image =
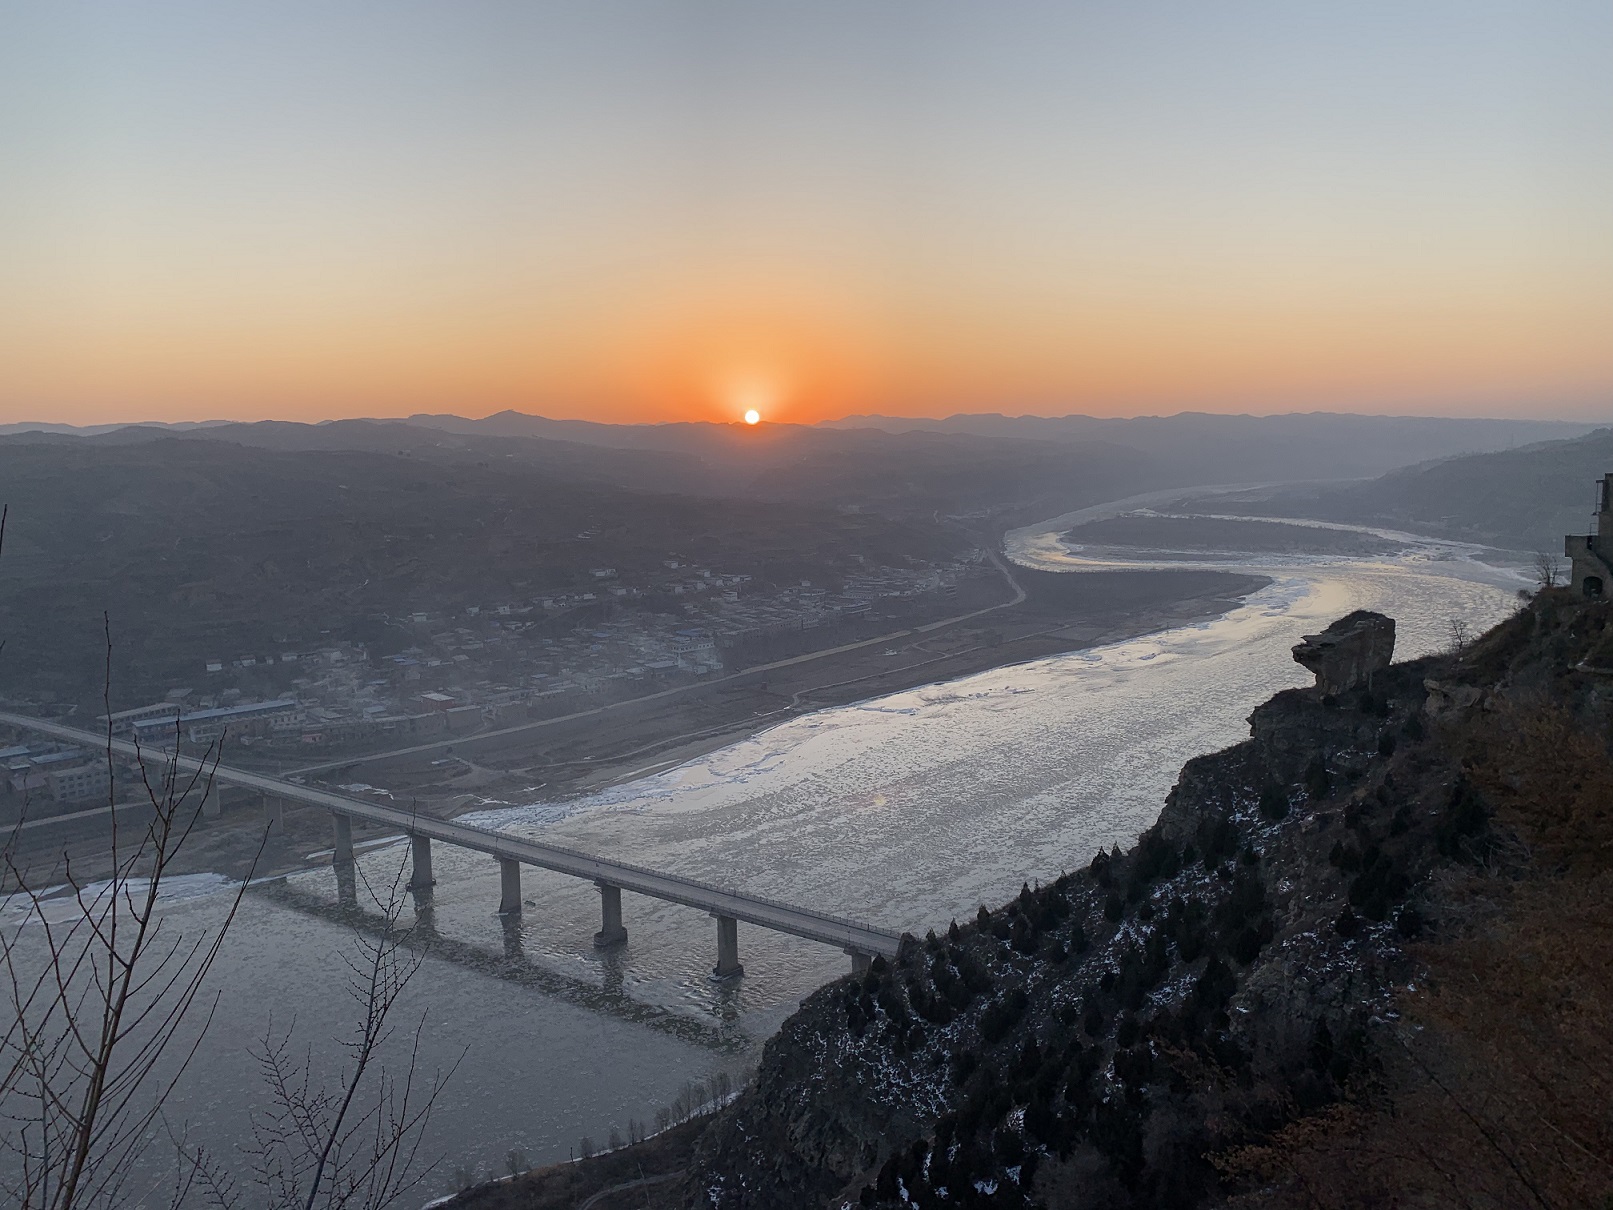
(713, 606)
(537, 634)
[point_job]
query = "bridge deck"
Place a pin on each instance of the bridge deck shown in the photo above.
(752, 909)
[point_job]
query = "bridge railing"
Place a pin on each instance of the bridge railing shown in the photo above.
(376, 812)
(602, 866)
(606, 864)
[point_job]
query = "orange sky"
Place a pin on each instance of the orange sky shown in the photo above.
(648, 213)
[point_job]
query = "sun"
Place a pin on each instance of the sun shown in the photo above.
(751, 395)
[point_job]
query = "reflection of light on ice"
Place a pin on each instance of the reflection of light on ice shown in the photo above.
(812, 746)
(931, 800)
(1112, 711)
(534, 814)
(903, 810)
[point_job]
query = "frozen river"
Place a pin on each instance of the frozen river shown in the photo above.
(905, 810)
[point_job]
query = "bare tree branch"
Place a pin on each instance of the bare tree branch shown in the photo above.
(99, 993)
(358, 1145)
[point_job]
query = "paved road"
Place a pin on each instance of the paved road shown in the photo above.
(766, 913)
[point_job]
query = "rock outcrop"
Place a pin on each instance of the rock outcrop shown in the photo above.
(1347, 653)
(1447, 700)
(1096, 1041)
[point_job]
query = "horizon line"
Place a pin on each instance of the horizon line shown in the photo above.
(21, 426)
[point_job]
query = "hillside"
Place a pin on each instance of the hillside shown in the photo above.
(1200, 448)
(198, 547)
(1359, 958)
(1524, 499)
(993, 469)
(1012, 476)
(1113, 1038)
(911, 475)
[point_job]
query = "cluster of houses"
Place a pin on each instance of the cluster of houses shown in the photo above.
(500, 661)
(66, 774)
(158, 722)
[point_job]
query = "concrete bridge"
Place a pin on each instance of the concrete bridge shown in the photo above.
(728, 907)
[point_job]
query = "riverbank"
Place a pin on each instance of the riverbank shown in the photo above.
(638, 1177)
(906, 809)
(889, 1089)
(1059, 613)
(897, 828)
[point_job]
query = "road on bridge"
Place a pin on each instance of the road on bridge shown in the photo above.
(854, 937)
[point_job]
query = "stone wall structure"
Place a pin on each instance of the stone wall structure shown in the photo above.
(1592, 554)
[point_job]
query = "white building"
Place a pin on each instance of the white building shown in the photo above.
(80, 783)
(249, 718)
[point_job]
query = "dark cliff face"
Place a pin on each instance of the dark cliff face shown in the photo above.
(1097, 1041)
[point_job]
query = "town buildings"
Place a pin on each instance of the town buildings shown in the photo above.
(448, 671)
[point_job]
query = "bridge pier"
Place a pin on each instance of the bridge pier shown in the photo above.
(611, 932)
(509, 881)
(343, 824)
(728, 966)
(859, 961)
(860, 940)
(421, 879)
(274, 812)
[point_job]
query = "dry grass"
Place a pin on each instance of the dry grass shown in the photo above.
(1497, 1083)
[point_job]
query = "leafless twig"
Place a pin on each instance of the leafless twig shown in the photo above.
(100, 993)
(357, 1144)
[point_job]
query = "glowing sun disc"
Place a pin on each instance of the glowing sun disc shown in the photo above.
(752, 416)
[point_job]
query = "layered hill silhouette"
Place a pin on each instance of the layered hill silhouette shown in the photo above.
(1523, 500)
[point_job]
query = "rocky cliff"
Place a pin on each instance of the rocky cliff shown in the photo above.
(1111, 1038)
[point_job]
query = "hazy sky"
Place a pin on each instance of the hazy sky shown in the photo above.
(677, 210)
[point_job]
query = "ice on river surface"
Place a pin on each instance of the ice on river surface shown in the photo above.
(905, 810)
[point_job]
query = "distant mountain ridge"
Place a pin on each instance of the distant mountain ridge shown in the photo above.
(916, 475)
(197, 545)
(1000, 470)
(92, 430)
(1247, 448)
(1189, 448)
(1523, 499)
